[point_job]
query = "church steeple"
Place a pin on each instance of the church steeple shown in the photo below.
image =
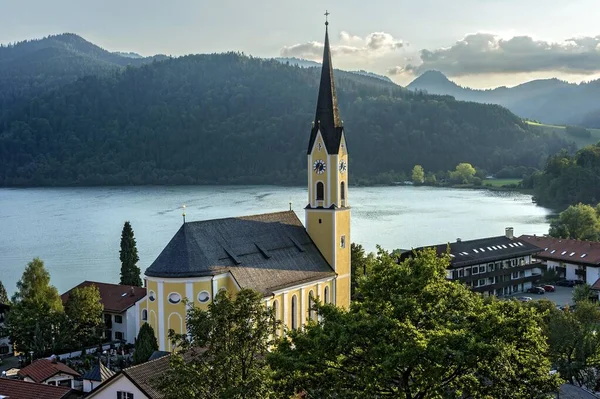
(327, 117)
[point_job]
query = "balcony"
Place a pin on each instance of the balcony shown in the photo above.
(502, 272)
(535, 278)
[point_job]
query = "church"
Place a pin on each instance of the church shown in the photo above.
(291, 264)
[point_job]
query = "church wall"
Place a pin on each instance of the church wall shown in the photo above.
(198, 287)
(321, 233)
(343, 258)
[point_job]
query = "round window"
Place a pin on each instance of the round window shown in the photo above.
(152, 296)
(203, 297)
(174, 298)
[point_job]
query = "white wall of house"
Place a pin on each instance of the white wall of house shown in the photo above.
(130, 321)
(120, 383)
(570, 275)
(55, 379)
(591, 274)
(88, 385)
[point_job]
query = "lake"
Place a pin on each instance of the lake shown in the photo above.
(77, 231)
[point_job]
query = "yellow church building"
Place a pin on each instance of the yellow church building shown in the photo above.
(273, 253)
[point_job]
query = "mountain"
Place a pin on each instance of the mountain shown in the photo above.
(302, 63)
(32, 67)
(128, 54)
(232, 119)
(548, 100)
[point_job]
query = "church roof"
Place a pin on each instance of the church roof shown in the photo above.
(327, 118)
(264, 252)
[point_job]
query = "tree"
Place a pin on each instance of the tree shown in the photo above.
(225, 353)
(463, 173)
(145, 344)
(582, 292)
(130, 272)
(3, 294)
(35, 313)
(416, 335)
(418, 174)
(430, 179)
(83, 312)
(579, 222)
(360, 264)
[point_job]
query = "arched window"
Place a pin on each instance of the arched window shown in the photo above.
(326, 295)
(320, 191)
(294, 312)
(144, 314)
(312, 313)
(275, 316)
(343, 190)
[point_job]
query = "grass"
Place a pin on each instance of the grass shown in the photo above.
(500, 182)
(580, 142)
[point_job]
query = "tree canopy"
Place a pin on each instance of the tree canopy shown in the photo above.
(579, 222)
(418, 175)
(3, 294)
(83, 312)
(130, 272)
(145, 344)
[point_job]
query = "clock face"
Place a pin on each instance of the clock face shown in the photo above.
(319, 166)
(343, 166)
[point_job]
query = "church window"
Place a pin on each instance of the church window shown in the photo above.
(275, 316)
(343, 242)
(174, 298)
(294, 312)
(326, 295)
(144, 314)
(152, 296)
(343, 190)
(312, 313)
(203, 297)
(320, 191)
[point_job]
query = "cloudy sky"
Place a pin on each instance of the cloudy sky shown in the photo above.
(478, 43)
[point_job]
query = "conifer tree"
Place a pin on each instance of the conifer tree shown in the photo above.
(145, 344)
(130, 272)
(3, 294)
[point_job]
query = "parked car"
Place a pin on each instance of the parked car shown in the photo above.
(566, 283)
(536, 290)
(524, 298)
(549, 288)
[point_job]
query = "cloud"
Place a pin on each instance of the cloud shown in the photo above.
(374, 45)
(487, 53)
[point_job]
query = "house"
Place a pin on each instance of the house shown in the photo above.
(572, 259)
(136, 382)
(49, 372)
(289, 263)
(121, 309)
(5, 346)
(96, 376)
(501, 265)
(17, 389)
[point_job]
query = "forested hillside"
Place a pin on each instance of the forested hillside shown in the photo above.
(32, 67)
(229, 118)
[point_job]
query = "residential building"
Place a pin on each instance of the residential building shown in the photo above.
(49, 372)
(96, 376)
(572, 259)
(136, 382)
(290, 264)
(5, 345)
(18, 389)
(501, 265)
(121, 309)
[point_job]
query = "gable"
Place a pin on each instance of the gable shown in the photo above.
(118, 383)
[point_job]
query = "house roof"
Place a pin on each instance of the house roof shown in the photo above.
(115, 297)
(99, 373)
(472, 252)
(264, 252)
(158, 354)
(42, 369)
(18, 389)
(327, 117)
(566, 249)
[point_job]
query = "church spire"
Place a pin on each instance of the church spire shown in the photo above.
(327, 117)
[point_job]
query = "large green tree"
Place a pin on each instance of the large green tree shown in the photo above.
(83, 312)
(464, 173)
(224, 355)
(130, 272)
(579, 222)
(145, 344)
(3, 294)
(413, 335)
(418, 174)
(360, 264)
(36, 313)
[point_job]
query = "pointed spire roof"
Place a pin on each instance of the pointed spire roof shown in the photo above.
(327, 117)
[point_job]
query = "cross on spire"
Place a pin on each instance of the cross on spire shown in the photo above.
(326, 15)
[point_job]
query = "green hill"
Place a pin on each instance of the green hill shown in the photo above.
(228, 118)
(563, 131)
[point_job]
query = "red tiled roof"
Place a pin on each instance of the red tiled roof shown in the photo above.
(17, 389)
(566, 250)
(42, 369)
(115, 298)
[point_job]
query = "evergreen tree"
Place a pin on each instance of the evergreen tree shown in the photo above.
(130, 272)
(145, 344)
(3, 294)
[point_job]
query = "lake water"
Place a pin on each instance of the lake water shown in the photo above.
(76, 231)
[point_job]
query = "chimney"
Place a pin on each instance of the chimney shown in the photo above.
(458, 239)
(509, 232)
(132, 292)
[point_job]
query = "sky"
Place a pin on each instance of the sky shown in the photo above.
(477, 43)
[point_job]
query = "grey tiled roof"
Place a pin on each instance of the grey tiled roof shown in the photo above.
(98, 373)
(264, 252)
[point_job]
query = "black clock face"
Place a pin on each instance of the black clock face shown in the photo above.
(319, 166)
(343, 166)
